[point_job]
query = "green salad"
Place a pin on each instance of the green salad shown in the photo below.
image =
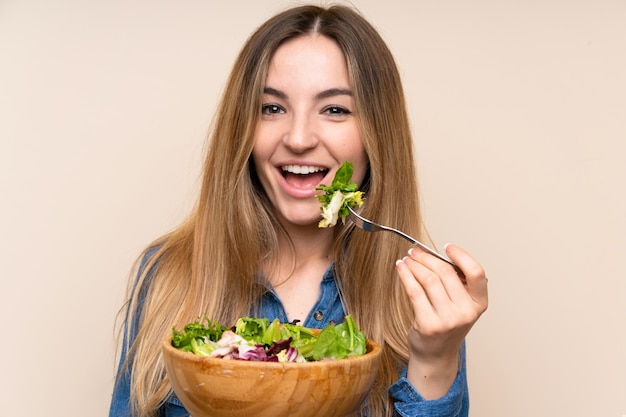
(256, 339)
(338, 196)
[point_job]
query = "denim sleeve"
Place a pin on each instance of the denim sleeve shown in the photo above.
(409, 403)
(120, 401)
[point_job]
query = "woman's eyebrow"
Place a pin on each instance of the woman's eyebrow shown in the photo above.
(331, 92)
(274, 92)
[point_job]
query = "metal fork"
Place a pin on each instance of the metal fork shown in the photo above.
(370, 226)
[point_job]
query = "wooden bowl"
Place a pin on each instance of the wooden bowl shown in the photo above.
(215, 387)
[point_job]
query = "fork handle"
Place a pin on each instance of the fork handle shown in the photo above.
(426, 248)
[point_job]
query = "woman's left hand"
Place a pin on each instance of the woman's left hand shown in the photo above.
(446, 307)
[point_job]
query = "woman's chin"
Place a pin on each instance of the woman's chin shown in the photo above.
(300, 220)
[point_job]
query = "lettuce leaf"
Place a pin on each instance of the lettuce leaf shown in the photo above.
(340, 341)
(341, 194)
(197, 332)
(252, 329)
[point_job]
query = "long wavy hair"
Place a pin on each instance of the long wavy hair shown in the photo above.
(210, 264)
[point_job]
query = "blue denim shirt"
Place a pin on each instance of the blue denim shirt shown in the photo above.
(328, 308)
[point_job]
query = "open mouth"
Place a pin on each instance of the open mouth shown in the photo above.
(303, 176)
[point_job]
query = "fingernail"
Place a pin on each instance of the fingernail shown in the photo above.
(445, 247)
(411, 251)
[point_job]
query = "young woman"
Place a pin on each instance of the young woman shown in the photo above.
(313, 87)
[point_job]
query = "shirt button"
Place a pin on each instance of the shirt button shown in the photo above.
(318, 315)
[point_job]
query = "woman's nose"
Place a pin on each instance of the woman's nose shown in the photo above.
(301, 135)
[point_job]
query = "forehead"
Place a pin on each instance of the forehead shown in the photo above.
(312, 58)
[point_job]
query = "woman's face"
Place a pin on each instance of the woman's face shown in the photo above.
(308, 127)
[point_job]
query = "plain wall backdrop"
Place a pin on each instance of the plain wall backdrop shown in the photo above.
(519, 115)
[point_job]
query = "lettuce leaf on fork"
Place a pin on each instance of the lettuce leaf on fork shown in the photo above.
(338, 196)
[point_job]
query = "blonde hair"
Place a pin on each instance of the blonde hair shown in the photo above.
(210, 264)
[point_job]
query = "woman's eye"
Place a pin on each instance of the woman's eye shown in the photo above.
(270, 109)
(336, 111)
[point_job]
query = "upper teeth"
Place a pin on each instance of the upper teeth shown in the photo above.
(299, 169)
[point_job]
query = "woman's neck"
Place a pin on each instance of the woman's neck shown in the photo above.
(297, 272)
(299, 246)
(308, 242)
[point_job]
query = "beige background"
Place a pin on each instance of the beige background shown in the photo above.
(519, 111)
